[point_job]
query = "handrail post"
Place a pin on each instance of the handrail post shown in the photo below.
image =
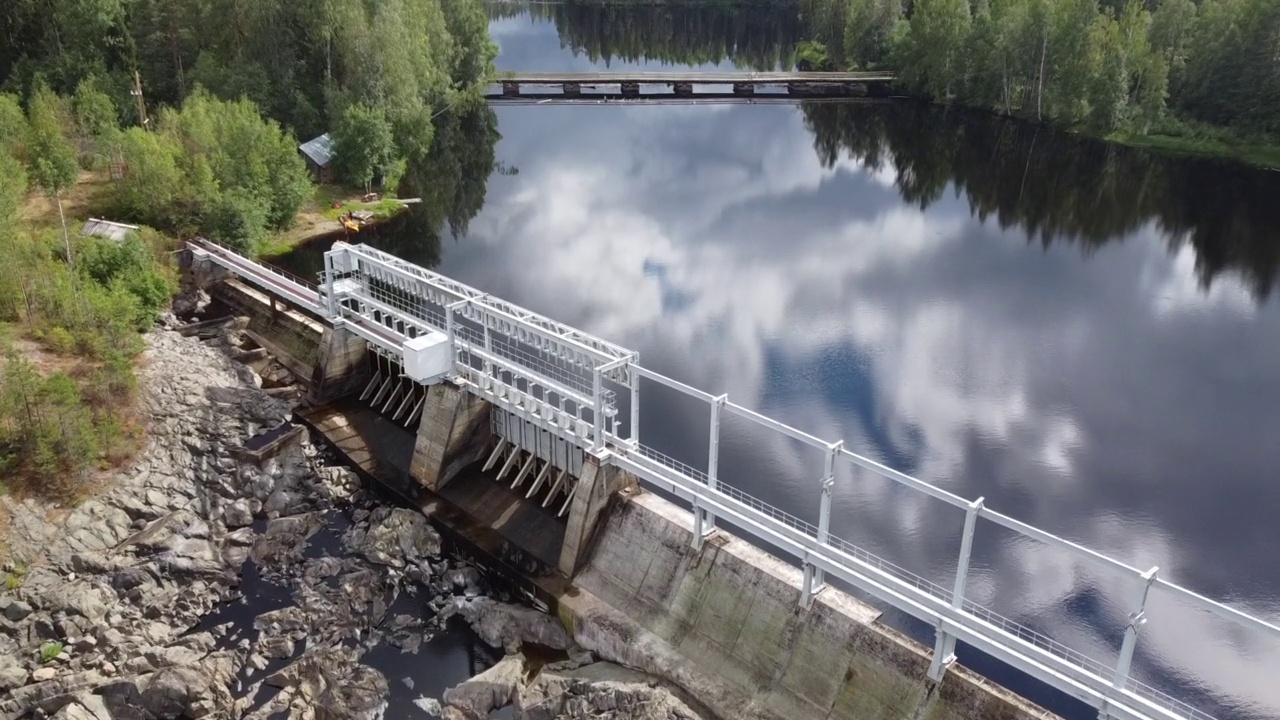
(814, 578)
(635, 398)
(944, 646)
(704, 520)
(330, 302)
(597, 414)
(1136, 620)
(451, 329)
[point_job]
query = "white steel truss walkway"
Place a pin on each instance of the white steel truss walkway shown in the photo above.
(566, 381)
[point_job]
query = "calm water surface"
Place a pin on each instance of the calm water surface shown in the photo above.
(1084, 335)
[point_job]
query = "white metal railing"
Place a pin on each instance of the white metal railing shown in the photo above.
(557, 378)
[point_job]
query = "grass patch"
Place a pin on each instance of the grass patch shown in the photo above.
(381, 210)
(1260, 153)
(49, 651)
(1182, 137)
(320, 217)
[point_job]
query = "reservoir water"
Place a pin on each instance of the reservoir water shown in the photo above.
(1086, 335)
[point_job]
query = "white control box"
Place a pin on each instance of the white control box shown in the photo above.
(428, 358)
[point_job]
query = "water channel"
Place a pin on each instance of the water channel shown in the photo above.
(1083, 334)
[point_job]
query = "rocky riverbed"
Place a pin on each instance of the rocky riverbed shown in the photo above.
(206, 582)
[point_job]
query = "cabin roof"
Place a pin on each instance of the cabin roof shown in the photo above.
(96, 227)
(319, 150)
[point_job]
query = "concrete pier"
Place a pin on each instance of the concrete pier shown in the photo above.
(596, 489)
(454, 433)
(341, 366)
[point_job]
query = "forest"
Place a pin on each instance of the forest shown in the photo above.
(183, 117)
(1135, 66)
(1191, 75)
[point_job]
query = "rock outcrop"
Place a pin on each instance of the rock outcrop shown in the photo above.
(575, 689)
(107, 619)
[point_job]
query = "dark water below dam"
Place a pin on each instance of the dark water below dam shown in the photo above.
(1084, 334)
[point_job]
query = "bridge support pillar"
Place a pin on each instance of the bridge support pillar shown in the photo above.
(572, 89)
(682, 89)
(454, 432)
(341, 365)
(198, 271)
(744, 89)
(630, 89)
(510, 88)
(597, 485)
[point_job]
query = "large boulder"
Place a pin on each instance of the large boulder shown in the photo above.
(191, 691)
(86, 706)
(394, 537)
(503, 625)
(599, 690)
(238, 514)
(331, 681)
(12, 674)
(491, 690)
(14, 609)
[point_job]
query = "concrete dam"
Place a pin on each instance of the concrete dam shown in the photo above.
(521, 434)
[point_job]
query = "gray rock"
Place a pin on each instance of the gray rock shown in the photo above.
(85, 707)
(110, 638)
(191, 690)
(43, 674)
(600, 690)
(491, 690)
(337, 482)
(238, 514)
(12, 674)
(505, 626)
(332, 678)
(278, 646)
(430, 706)
(394, 537)
(15, 610)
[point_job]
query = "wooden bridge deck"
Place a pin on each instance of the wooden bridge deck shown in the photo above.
(717, 77)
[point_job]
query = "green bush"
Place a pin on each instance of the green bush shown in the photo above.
(812, 56)
(237, 220)
(49, 651)
(59, 339)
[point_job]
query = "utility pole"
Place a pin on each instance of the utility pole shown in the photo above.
(136, 92)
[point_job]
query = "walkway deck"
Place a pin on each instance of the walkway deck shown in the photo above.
(635, 83)
(714, 77)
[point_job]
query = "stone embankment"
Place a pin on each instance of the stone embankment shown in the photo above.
(127, 606)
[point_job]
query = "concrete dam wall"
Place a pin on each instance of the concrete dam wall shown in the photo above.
(730, 614)
(724, 621)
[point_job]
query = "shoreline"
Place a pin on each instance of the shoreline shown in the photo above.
(311, 225)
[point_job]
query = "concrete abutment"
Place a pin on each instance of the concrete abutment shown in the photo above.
(729, 613)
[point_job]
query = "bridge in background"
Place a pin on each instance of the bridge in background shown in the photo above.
(559, 393)
(683, 84)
